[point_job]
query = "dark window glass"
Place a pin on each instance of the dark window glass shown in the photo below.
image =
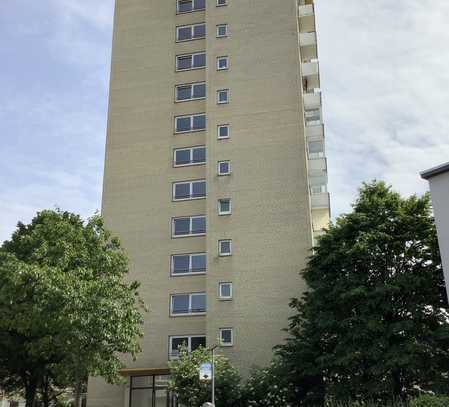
(182, 157)
(184, 62)
(182, 226)
(225, 290)
(177, 343)
(199, 91)
(143, 381)
(225, 247)
(224, 168)
(183, 124)
(200, 4)
(184, 92)
(225, 205)
(223, 132)
(198, 302)
(197, 342)
(182, 191)
(185, 5)
(221, 30)
(222, 63)
(221, 2)
(199, 189)
(184, 33)
(180, 304)
(199, 122)
(199, 31)
(199, 60)
(199, 155)
(199, 262)
(199, 225)
(222, 96)
(226, 336)
(181, 264)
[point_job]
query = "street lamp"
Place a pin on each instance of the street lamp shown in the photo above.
(207, 372)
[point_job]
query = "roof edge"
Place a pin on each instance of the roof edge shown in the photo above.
(432, 172)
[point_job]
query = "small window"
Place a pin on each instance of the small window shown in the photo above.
(222, 96)
(222, 30)
(222, 3)
(224, 168)
(224, 248)
(226, 337)
(192, 91)
(191, 61)
(191, 343)
(187, 6)
(189, 156)
(190, 32)
(189, 226)
(188, 264)
(224, 206)
(195, 122)
(225, 291)
(188, 304)
(223, 131)
(222, 63)
(188, 190)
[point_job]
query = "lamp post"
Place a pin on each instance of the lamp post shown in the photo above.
(213, 373)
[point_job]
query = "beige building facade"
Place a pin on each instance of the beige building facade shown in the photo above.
(215, 176)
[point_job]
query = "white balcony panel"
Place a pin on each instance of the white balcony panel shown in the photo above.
(320, 201)
(307, 39)
(311, 75)
(306, 15)
(318, 180)
(312, 101)
(315, 133)
(317, 165)
(306, 10)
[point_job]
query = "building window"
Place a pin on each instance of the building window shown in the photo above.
(190, 343)
(189, 226)
(223, 131)
(224, 248)
(225, 291)
(226, 337)
(191, 91)
(224, 206)
(222, 63)
(189, 156)
(193, 122)
(224, 167)
(187, 6)
(222, 96)
(222, 30)
(188, 304)
(191, 61)
(190, 32)
(222, 3)
(188, 264)
(318, 189)
(189, 190)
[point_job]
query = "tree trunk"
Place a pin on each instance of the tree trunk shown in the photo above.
(45, 393)
(30, 392)
(78, 393)
(398, 390)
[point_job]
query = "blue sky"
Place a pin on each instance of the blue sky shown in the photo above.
(384, 71)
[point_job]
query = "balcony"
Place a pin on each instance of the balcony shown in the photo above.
(306, 14)
(308, 44)
(315, 133)
(313, 117)
(312, 100)
(311, 75)
(320, 201)
(317, 166)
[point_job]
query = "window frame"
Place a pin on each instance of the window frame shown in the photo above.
(224, 213)
(224, 174)
(190, 304)
(192, 55)
(194, 10)
(223, 254)
(192, 31)
(222, 5)
(226, 344)
(217, 31)
(228, 96)
(190, 234)
(192, 85)
(221, 126)
(226, 57)
(192, 118)
(189, 338)
(191, 197)
(191, 150)
(223, 297)
(190, 272)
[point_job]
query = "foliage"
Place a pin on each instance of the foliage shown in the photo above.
(430, 401)
(66, 309)
(192, 392)
(374, 324)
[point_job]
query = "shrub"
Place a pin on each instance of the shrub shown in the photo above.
(430, 401)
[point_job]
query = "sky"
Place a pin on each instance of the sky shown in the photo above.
(384, 78)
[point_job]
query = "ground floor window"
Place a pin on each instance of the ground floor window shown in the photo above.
(150, 391)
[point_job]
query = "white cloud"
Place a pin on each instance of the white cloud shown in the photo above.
(384, 77)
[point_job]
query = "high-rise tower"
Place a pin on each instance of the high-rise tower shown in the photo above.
(215, 175)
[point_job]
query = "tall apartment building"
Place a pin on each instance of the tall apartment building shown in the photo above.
(215, 176)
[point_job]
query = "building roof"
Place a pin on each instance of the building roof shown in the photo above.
(441, 169)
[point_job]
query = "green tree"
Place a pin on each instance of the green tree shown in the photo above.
(66, 310)
(374, 324)
(192, 392)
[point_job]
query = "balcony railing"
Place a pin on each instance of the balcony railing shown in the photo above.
(320, 201)
(311, 75)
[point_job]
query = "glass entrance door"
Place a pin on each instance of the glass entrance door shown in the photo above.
(150, 391)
